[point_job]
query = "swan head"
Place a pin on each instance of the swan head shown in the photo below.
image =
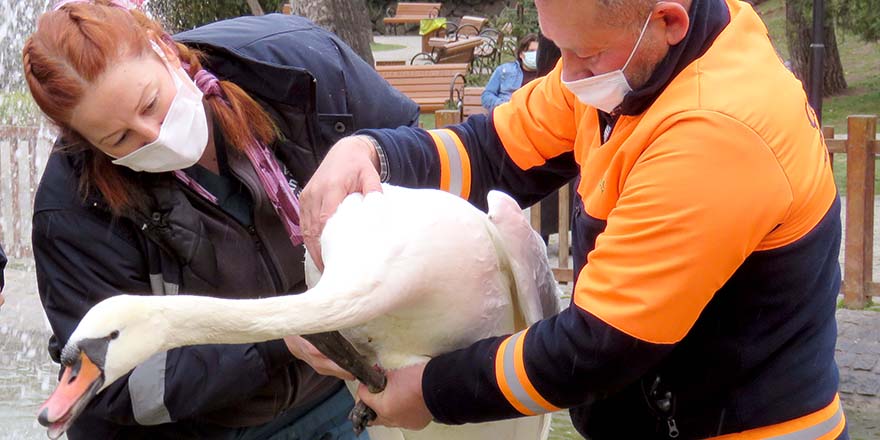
(114, 337)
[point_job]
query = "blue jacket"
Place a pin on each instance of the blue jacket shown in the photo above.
(504, 81)
(316, 89)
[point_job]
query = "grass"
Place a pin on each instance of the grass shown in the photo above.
(426, 120)
(381, 47)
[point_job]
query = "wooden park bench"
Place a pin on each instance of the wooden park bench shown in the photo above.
(411, 13)
(471, 102)
(456, 51)
(467, 26)
(428, 85)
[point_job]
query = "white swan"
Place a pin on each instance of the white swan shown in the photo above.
(409, 274)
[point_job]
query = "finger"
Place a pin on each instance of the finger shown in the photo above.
(327, 367)
(332, 369)
(370, 181)
(309, 213)
(369, 398)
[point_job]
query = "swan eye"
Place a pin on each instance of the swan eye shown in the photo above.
(114, 334)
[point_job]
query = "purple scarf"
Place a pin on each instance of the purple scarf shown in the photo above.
(271, 177)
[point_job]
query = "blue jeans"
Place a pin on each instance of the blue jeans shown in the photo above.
(326, 421)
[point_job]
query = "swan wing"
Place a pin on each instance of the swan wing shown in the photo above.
(536, 289)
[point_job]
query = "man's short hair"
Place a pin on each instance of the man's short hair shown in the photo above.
(626, 13)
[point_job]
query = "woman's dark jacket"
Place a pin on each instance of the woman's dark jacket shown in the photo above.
(317, 90)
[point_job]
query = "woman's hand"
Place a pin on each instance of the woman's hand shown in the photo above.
(307, 352)
(349, 167)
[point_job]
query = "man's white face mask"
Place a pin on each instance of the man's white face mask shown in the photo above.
(184, 132)
(606, 91)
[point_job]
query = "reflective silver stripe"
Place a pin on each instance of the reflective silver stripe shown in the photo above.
(171, 288)
(156, 284)
(815, 431)
(161, 287)
(455, 177)
(513, 381)
(146, 387)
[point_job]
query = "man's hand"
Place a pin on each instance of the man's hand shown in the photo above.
(307, 352)
(401, 405)
(349, 167)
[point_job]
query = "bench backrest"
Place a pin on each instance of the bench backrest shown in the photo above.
(427, 85)
(426, 10)
(470, 25)
(471, 102)
(460, 51)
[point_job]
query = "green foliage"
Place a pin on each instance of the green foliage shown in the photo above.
(181, 15)
(18, 109)
(522, 18)
(861, 17)
(381, 47)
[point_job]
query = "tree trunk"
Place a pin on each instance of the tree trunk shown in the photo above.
(349, 19)
(256, 9)
(799, 34)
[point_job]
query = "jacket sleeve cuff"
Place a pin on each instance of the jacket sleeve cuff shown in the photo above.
(275, 354)
(459, 387)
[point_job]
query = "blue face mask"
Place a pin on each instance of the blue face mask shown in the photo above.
(530, 60)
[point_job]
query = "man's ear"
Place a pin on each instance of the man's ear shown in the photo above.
(675, 17)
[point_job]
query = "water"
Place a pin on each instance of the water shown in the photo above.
(27, 376)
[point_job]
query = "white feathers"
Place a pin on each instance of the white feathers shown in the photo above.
(409, 274)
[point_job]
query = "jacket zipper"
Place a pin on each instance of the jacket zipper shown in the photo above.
(661, 402)
(251, 231)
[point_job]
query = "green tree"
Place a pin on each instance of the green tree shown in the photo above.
(348, 19)
(799, 34)
(181, 15)
(518, 19)
(861, 17)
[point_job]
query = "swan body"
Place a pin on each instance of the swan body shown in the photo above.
(409, 274)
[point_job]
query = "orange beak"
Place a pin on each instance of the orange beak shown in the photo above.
(79, 383)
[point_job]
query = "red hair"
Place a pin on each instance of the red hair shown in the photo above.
(69, 51)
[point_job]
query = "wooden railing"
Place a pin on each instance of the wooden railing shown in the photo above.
(23, 153)
(860, 146)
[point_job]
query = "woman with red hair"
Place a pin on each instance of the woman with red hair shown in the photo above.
(178, 169)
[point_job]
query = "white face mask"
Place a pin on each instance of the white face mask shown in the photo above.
(530, 60)
(184, 132)
(605, 91)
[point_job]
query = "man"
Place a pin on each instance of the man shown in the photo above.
(705, 234)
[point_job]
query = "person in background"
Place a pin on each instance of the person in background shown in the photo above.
(512, 75)
(178, 171)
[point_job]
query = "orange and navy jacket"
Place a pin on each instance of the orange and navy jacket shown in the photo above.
(706, 235)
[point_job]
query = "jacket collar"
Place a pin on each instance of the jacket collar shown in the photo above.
(268, 82)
